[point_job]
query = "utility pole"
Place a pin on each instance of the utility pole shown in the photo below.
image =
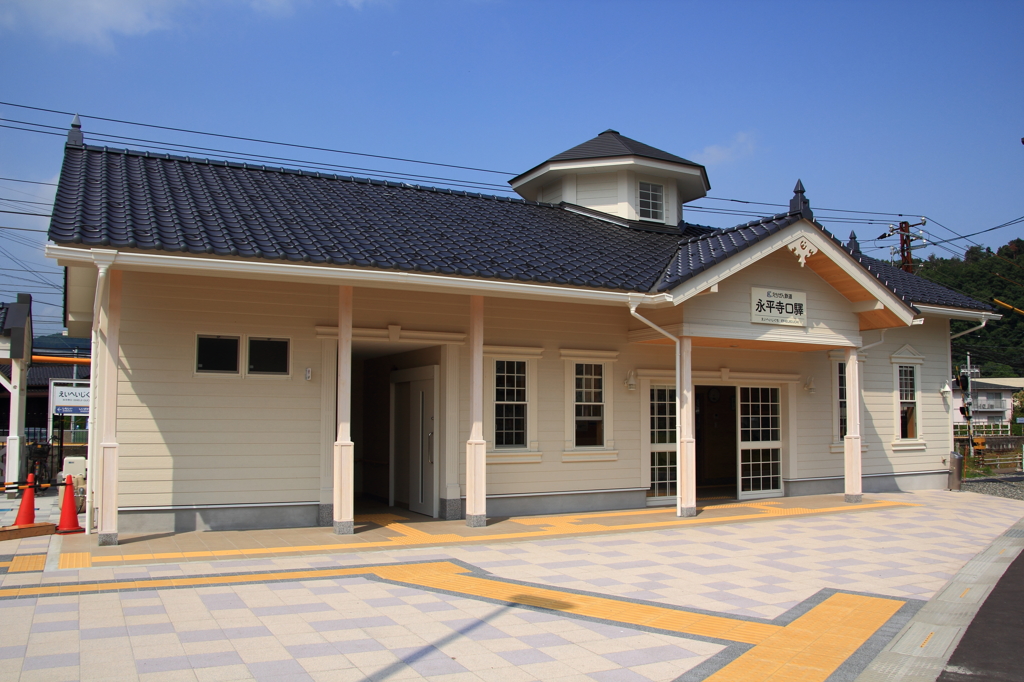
(907, 239)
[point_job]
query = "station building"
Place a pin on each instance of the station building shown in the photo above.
(275, 347)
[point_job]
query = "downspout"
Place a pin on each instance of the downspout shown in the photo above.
(92, 477)
(679, 396)
(984, 321)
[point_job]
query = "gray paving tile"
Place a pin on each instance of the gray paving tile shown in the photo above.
(351, 623)
(162, 665)
(103, 633)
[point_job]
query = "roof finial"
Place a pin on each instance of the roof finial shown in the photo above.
(75, 136)
(853, 245)
(799, 203)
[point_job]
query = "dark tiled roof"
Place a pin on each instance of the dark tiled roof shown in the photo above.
(914, 289)
(703, 247)
(39, 375)
(136, 200)
(610, 143)
(699, 252)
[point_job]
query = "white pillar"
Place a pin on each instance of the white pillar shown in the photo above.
(16, 428)
(686, 443)
(851, 443)
(344, 449)
(110, 326)
(476, 447)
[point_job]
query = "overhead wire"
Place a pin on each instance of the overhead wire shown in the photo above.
(260, 141)
(178, 148)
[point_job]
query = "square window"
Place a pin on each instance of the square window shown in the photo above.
(268, 356)
(217, 354)
(652, 201)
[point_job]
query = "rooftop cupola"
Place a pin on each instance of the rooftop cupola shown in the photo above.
(617, 175)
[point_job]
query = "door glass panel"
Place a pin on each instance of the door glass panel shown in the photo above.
(760, 427)
(759, 469)
(663, 414)
(663, 474)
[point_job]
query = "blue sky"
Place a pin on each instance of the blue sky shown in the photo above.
(877, 106)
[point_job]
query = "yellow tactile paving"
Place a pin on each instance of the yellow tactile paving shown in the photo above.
(809, 649)
(539, 526)
(27, 562)
(76, 560)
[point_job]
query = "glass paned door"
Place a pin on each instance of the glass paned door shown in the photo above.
(663, 444)
(760, 444)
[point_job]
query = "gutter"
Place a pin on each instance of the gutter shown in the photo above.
(387, 279)
(972, 329)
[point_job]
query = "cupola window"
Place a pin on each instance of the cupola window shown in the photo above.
(652, 201)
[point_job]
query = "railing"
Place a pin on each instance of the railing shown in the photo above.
(960, 430)
(37, 434)
(990, 405)
(1000, 460)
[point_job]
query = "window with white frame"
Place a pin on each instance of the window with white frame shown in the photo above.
(589, 404)
(908, 401)
(841, 400)
(652, 201)
(217, 354)
(510, 404)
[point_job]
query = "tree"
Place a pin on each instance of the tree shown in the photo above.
(984, 275)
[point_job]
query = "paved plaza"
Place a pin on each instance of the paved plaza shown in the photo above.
(791, 589)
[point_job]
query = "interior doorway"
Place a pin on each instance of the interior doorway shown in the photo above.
(414, 459)
(715, 421)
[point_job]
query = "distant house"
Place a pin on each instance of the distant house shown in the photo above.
(275, 344)
(993, 406)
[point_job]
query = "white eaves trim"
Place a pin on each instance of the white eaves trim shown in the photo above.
(380, 279)
(779, 240)
(957, 313)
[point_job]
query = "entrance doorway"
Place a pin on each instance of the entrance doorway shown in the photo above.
(414, 468)
(715, 433)
(738, 448)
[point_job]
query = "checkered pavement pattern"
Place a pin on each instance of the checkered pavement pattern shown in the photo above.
(47, 509)
(357, 628)
(343, 629)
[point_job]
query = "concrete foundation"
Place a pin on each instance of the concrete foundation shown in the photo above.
(872, 483)
(564, 503)
(219, 518)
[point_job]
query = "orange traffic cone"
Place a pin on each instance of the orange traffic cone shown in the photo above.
(27, 510)
(68, 513)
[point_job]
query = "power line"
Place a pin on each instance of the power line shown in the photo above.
(253, 139)
(39, 215)
(177, 148)
(22, 229)
(30, 182)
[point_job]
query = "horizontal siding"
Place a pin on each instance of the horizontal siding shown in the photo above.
(212, 439)
(598, 191)
(827, 309)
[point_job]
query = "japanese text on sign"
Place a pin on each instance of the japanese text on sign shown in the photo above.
(776, 306)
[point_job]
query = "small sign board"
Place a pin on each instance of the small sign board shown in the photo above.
(778, 306)
(1020, 420)
(69, 398)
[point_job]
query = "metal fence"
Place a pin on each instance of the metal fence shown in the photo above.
(960, 430)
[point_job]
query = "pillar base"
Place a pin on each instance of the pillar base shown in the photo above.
(106, 539)
(852, 499)
(344, 527)
(325, 515)
(476, 520)
(451, 509)
(686, 512)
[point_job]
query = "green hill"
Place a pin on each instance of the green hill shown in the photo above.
(984, 275)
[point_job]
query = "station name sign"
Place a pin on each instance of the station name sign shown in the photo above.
(778, 306)
(69, 399)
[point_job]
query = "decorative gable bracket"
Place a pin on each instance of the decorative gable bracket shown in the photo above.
(803, 249)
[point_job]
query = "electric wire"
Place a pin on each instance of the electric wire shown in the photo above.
(248, 157)
(252, 139)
